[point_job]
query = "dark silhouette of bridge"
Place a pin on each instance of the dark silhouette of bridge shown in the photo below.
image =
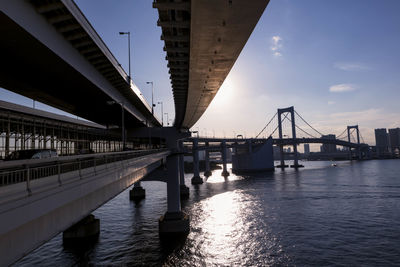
(357, 148)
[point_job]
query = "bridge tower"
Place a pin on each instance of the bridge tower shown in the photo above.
(291, 111)
(358, 140)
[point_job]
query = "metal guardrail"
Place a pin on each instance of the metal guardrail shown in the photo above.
(36, 169)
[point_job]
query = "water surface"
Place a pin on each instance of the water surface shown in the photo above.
(320, 215)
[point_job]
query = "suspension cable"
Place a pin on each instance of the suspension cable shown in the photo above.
(338, 137)
(308, 123)
(266, 125)
(362, 139)
(351, 135)
(303, 130)
(276, 128)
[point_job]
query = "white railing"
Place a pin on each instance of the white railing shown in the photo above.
(21, 171)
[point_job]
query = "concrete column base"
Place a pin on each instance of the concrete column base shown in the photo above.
(225, 173)
(137, 193)
(197, 180)
(84, 231)
(282, 166)
(184, 191)
(173, 224)
(207, 173)
(296, 166)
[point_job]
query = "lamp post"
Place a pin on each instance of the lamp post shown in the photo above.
(196, 132)
(112, 102)
(129, 53)
(167, 118)
(162, 112)
(152, 97)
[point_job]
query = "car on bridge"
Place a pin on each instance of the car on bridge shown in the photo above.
(32, 154)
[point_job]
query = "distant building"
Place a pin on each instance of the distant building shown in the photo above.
(328, 148)
(306, 149)
(382, 141)
(394, 139)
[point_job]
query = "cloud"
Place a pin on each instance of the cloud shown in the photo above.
(343, 87)
(331, 102)
(367, 119)
(276, 45)
(351, 66)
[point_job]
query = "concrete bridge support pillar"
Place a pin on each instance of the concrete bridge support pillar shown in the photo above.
(174, 221)
(137, 193)
(223, 154)
(282, 165)
(358, 148)
(33, 137)
(85, 231)
(296, 160)
(207, 172)
(7, 148)
(183, 188)
(196, 178)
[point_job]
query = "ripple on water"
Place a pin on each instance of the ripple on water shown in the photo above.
(320, 215)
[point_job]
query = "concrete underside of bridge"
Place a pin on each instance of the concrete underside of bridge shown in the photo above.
(50, 53)
(203, 39)
(27, 221)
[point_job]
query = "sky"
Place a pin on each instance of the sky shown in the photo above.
(336, 62)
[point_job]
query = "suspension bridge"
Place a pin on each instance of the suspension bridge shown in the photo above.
(350, 137)
(288, 128)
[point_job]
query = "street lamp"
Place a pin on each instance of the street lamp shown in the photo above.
(129, 53)
(112, 102)
(152, 97)
(196, 132)
(162, 112)
(167, 118)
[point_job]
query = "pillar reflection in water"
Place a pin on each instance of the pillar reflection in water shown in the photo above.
(223, 232)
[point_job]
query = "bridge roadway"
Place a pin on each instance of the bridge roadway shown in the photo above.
(35, 210)
(282, 141)
(291, 141)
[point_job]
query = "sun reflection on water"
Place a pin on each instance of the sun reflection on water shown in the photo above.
(224, 234)
(217, 177)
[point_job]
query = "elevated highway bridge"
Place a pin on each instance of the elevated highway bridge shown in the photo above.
(202, 40)
(51, 53)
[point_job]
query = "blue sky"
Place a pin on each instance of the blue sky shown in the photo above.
(337, 62)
